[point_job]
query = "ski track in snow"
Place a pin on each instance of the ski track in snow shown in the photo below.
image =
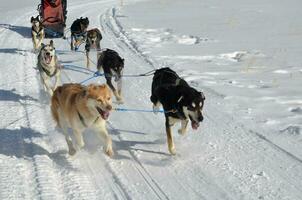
(34, 164)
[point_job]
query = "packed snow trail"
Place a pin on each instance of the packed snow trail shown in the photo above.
(225, 159)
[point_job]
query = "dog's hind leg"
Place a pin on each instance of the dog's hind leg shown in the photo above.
(184, 125)
(71, 149)
(169, 136)
(100, 127)
(100, 57)
(87, 49)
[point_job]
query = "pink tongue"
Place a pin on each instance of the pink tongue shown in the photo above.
(48, 59)
(105, 114)
(195, 125)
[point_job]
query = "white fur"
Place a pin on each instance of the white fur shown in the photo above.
(51, 67)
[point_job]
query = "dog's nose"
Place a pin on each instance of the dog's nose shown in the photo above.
(200, 118)
(109, 107)
(47, 53)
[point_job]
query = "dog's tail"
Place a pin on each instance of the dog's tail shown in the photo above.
(55, 105)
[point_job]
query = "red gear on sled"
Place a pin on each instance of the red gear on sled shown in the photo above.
(53, 17)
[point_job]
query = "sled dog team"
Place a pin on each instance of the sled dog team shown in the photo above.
(79, 107)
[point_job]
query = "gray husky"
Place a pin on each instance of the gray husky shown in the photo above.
(49, 67)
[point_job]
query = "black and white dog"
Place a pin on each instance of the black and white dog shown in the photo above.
(37, 32)
(180, 102)
(112, 65)
(93, 40)
(48, 66)
(78, 31)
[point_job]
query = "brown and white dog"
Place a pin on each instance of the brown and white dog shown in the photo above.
(93, 40)
(48, 67)
(79, 107)
(37, 32)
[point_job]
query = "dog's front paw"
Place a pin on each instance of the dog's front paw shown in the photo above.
(81, 144)
(109, 153)
(72, 151)
(172, 150)
(181, 132)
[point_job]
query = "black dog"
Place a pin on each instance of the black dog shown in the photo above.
(112, 65)
(93, 40)
(78, 31)
(180, 102)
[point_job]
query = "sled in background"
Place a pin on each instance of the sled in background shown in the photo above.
(53, 17)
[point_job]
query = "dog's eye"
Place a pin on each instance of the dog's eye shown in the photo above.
(200, 104)
(193, 105)
(108, 98)
(99, 100)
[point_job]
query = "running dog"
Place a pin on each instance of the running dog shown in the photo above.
(48, 66)
(78, 32)
(94, 37)
(180, 102)
(37, 32)
(79, 107)
(112, 65)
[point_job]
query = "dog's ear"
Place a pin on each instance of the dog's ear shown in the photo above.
(51, 43)
(99, 33)
(202, 96)
(42, 45)
(32, 19)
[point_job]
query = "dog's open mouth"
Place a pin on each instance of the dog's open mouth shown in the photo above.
(104, 114)
(48, 58)
(194, 124)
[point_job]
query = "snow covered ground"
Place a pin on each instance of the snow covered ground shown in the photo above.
(245, 56)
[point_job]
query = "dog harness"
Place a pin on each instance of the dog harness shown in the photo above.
(48, 72)
(37, 32)
(83, 121)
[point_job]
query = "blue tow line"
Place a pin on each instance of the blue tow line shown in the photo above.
(137, 110)
(97, 74)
